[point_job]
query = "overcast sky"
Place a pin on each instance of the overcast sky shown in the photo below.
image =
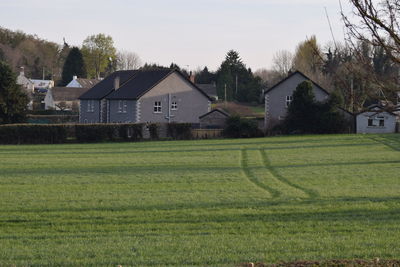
(187, 32)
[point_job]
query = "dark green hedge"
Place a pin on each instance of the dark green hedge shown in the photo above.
(32, 134)
(179, 131)
(87, 133)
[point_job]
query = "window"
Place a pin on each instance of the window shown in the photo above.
(124, 107)
(370, 122)
(174, 105)
(90, 106)
(381, 123)
(289, 99)
(157, 107)
(119, 106)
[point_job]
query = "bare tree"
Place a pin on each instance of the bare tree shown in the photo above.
(282, 62)
(377, 23)
(128, 60)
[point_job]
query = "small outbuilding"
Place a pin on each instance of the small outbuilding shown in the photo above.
(215, 119)
(376, 120)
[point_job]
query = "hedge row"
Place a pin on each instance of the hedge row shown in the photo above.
(86, 133)
(33, 134)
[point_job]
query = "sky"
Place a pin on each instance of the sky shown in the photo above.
(190, 33)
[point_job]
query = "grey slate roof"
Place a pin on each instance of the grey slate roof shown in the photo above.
(106, 86)
(133, 84)
(87, 83)
(139, 84)
(210, 89)
(67, 93)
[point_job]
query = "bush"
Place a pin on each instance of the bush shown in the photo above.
(180, 131)
(33, 134)
(107, 132)
(237, 127)
(130, 132)
(153, 129)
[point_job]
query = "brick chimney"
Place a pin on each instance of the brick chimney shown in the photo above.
(191, 77)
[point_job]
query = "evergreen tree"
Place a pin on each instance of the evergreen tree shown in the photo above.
(13, 101)
(205, 76)
(74, 65)
(305, 115)
(239, 81)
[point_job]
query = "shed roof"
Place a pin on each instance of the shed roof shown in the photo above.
(216, 110)
(209, 88)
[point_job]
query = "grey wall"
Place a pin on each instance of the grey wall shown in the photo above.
(89, 117)
(191, 103)
(275, 100)
(362, 123)
(115, 116)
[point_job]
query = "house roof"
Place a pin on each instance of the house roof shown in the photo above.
(67, 93)
(290, 76)
(377, 109)
(145, 80)
(106, 86)
(87, 83)
(216, 110)
(209, 88)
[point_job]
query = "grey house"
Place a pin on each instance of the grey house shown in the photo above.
(138, 96)
(278, 97)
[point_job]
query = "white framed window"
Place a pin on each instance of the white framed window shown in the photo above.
(174, 105)
(124, 107)
(289, 99)
(119, 106)
(90, 106)
(376, 122)
(157, 107)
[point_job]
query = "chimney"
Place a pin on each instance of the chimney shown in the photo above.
(191, 77)
(116, 83)
(74, 77)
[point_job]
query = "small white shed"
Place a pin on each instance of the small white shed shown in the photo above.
(376, 120)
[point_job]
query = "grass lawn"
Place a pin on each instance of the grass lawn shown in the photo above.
(200, 203)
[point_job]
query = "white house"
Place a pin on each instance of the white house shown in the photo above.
(376, 120)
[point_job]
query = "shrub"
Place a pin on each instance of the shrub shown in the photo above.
(153, 129)
(131, 132)
(179, 131)
(33, 134)
(237, 127)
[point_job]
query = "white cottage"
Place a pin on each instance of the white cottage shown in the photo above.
(376, 120)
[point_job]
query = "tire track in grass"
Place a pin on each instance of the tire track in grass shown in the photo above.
(267, 164)
(391, 143)
(252, 178)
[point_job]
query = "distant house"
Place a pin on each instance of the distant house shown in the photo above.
(215, 119)
(140, 96)
(42, 85)
(82, 83)
(210, 89)
(63, 98)
(279, 97)
(27, 86)
(25, 83)
(376, 120)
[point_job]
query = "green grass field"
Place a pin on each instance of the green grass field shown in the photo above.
(200, 203)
